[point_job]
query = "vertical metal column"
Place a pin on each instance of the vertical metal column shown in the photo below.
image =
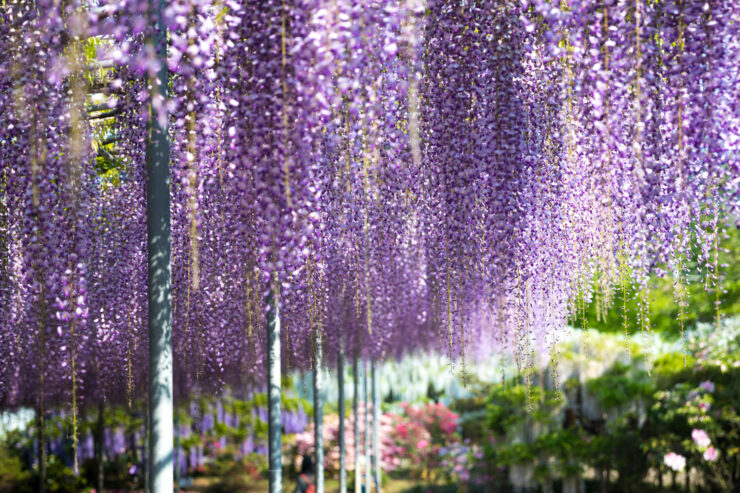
(341, 411)
(318, 413)
(376, 427)
(273, 394)
(159, 270)
(368, 484)
(356, 412)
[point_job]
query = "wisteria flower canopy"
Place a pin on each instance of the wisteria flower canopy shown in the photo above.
(402, 175)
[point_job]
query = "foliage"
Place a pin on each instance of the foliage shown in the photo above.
(460, 463)
(620, 385)
(698, 419)
(509, 406)
(642, 412)
(664, 310)
(250, 467)
(14, 476)
(60, 478)
(235, 475)
(649, 415)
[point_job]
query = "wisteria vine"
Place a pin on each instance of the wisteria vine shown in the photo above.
(403, 174)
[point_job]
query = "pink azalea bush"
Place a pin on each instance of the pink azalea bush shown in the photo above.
(701, 438)
(437, 419)
(710, 454)
(412, 440)
(411, 437)
(676, 462)
(422, 433)
(390, 452)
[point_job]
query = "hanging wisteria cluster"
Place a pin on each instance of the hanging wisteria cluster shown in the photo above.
(409, 174)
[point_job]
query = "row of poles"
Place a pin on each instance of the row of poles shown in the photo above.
(372, 477)
(159, 275)
(372, 470)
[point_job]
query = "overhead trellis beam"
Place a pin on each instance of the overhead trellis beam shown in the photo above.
(107, 114)
(93, 108)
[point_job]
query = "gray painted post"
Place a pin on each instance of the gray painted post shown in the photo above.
(273, 394)
(159, 273)
(342, 442)
(368, 484)
(318, 419)
(356, 412)
(376, 428)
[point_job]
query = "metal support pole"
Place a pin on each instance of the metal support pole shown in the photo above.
(159, 270)
(273, 394)
(376, 428)
(356, 412)
(368, 484)
(318, 413)
(342, 441)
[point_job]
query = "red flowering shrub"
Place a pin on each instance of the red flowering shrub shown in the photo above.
(421, 433)
(391, 452)
(411, 440)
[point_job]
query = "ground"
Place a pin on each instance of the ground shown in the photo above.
(331, 485)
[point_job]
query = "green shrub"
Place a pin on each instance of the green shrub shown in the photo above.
(14, 477)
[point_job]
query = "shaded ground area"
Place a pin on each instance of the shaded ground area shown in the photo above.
(332, 486)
